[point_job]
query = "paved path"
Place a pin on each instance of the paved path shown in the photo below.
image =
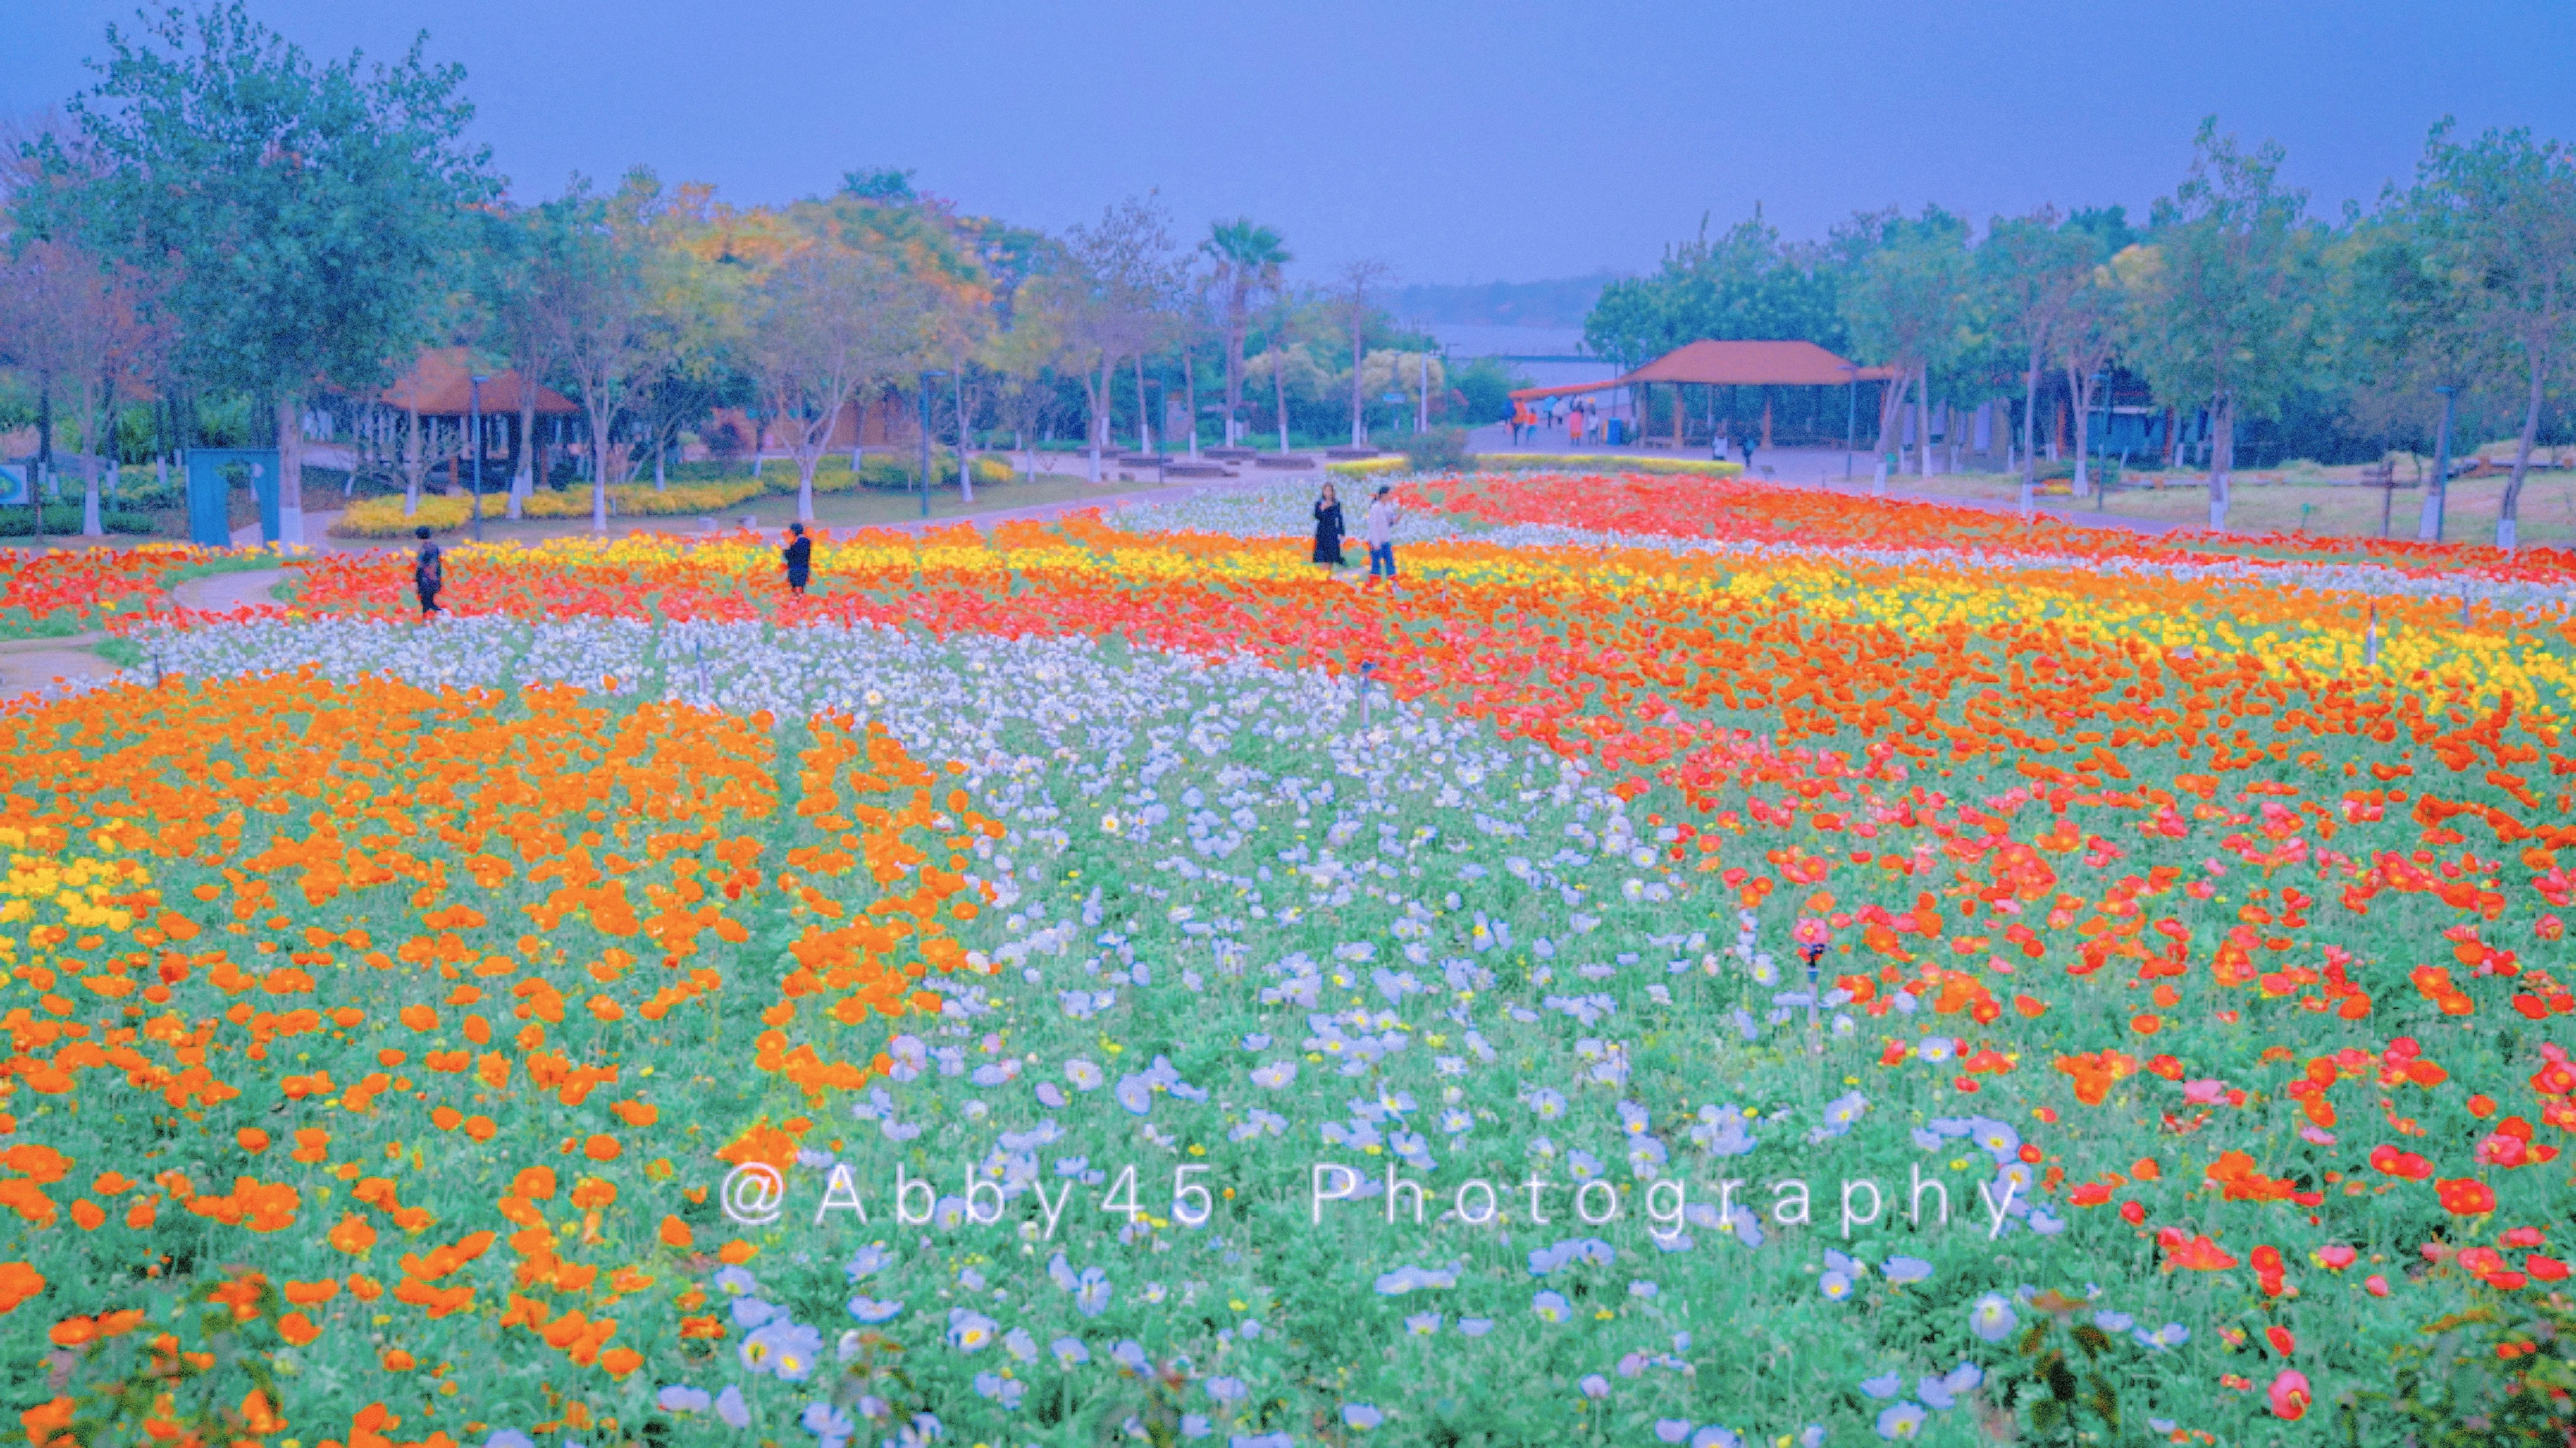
(223, 592)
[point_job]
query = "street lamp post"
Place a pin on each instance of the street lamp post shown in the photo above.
(1851, 415)
(926, 379)
(474, 425)
(2436, 502)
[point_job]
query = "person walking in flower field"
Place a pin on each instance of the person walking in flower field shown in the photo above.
(1380, 532)
(428, 573)
(799, 557)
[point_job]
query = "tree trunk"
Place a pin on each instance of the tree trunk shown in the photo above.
(1923, 418)
(1099, 400)
(1359, 423)
(1279, 394)
(415, 464)
(806, 461)
(599, 419)
(2508, 515)
(290, 470)
(965, 459)
(523, 483)
(2082, 390)
(1236, 324)
(2222, 457)
(1190, 398)
(2030, 432)
(1144, 424)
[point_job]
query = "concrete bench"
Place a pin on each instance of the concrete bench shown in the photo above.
(1284, 462)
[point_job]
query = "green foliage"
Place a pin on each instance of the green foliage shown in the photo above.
(63, 520)
(1746, 283)
(2220, 299)
(1487, 385)
(2492, 1375)
(267, 193)
(1442, 449)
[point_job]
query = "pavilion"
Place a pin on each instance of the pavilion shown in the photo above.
(439, 386)
(1716, 364)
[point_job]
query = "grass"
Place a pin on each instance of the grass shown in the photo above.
(2329, 509)
(865, 508)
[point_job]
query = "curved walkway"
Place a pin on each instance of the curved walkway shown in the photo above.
(38, 665)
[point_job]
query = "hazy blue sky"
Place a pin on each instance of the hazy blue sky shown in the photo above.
(1460, 142)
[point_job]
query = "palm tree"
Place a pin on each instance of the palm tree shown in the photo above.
(1248, 257)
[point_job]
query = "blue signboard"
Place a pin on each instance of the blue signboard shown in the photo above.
(13, 484)
(210, 488)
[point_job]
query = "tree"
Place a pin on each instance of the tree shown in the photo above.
(2500, 213)
(829, 323)
(71, 327)
(2030, 269)
(1746, 283)
(1119, 274)
(1356, 314)
(590, 299)
(289, 214)
(2219, 310)
(1022, 359)
(1905, 304)
(2085, 337)
(1248, 258)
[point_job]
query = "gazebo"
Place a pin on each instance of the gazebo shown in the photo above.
(1715, 364)
(439, 386)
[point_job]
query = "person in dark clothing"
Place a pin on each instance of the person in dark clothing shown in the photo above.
(1328, 528)
(799, 554)
(428, 573)
(1746, 442)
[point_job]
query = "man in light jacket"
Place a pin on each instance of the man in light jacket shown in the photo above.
(1380, 533)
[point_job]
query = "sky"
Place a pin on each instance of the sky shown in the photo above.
(1457, 142)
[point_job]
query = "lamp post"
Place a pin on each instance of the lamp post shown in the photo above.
(1851, 415)
(2429, 530)
(926, 379)
(474, 426)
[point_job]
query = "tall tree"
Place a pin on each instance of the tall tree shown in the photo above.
(2086, 336)
(830, 324)
(1905, 305)
(2220, 309)
(591, 299)
(2500, 212)
(1352, 303)
(2029, 269)
(1119, 275)
(1249, 258)
(289, 213)
(1744, 283)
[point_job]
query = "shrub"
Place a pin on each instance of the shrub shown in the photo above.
(63, 520)
(1441, 450)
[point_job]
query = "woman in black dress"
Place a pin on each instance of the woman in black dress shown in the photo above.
(1328, 528)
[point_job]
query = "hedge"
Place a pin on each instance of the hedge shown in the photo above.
(384, 517)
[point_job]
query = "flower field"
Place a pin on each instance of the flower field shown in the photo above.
(1690, 964)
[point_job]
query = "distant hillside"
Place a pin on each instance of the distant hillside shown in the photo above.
(1564, 302)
